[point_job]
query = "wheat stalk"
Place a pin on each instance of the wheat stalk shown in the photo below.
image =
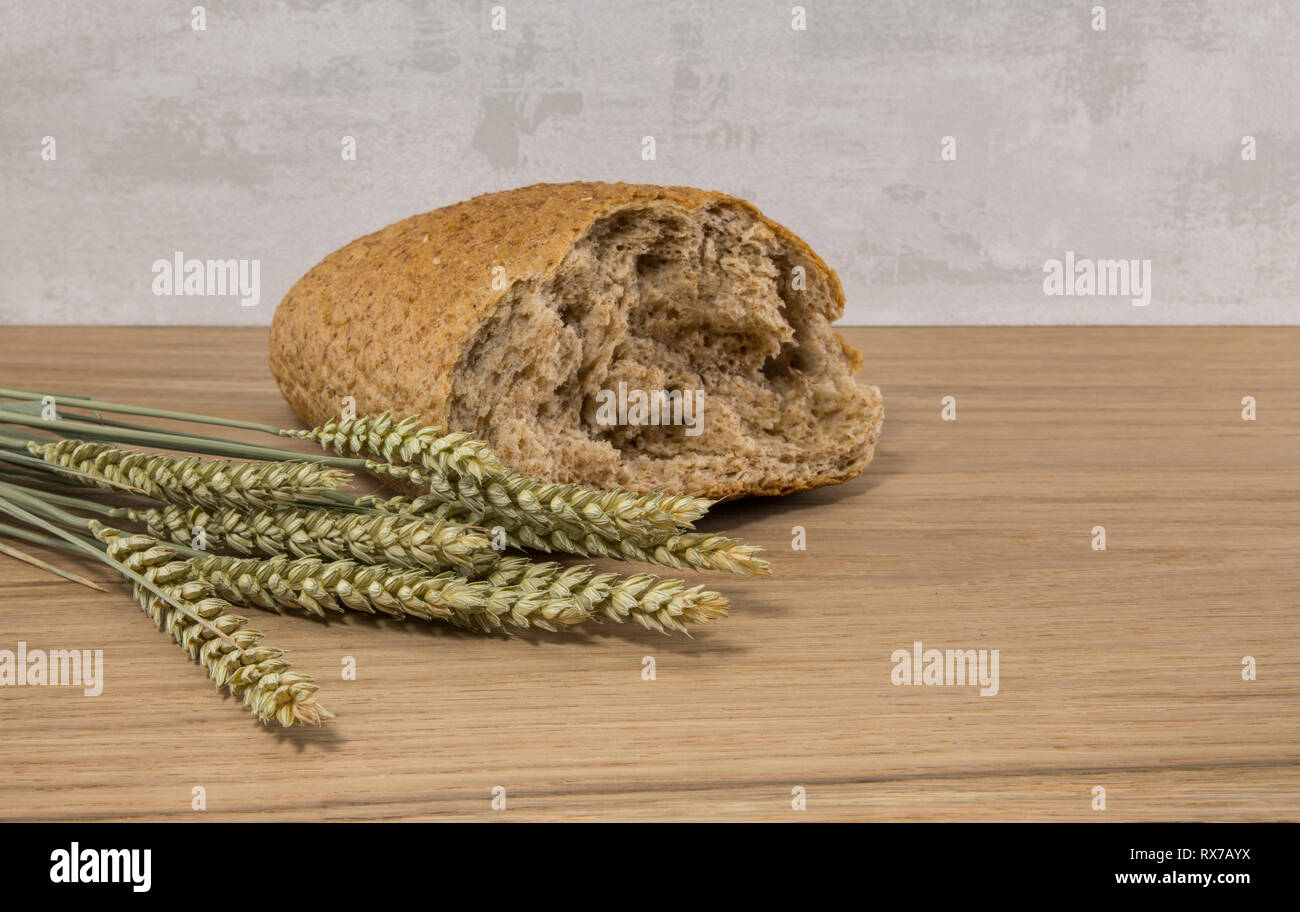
(258, 674)
(406, 541)
(21, 555)
(464, 472)
(513, 592)
(204, 482)
(278, 532)
(654, 603)
(693, 550)
(318, 587)
(404, 558)
(406, 441)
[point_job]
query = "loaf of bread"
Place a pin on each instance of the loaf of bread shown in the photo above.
(531, 318)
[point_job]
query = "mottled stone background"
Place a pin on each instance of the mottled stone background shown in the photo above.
(226, 142)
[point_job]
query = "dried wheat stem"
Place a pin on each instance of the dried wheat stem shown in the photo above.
(464, 472)
(258, 674)
(203, 482)
(405, 541)
(21, 555)
(52, 519)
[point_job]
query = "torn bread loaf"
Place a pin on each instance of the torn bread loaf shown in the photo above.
(516, 316)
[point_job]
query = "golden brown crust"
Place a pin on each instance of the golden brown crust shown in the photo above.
(385, 318)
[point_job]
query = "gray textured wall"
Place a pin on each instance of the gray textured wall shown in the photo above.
(1122, 143)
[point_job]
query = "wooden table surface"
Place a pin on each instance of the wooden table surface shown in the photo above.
(1119, 669)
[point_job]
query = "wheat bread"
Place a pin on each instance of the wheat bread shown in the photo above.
(506, 316)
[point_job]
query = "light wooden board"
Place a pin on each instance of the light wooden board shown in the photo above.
(1118, 668)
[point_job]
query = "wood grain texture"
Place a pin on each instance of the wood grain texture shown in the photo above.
(1119, 668)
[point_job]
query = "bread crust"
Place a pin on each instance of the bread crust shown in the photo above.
(385, 318)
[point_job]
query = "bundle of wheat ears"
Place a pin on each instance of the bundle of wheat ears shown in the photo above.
(188, 538)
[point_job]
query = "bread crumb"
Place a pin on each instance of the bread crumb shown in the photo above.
(676, 290)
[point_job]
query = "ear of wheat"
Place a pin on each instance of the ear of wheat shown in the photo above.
(405, 541)
(316, 586)
(465, 472)
(514, 592)
(258, 674)
(406, 442)
(693, 550)
(654, 603)
(203, 482)
(426, 558)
